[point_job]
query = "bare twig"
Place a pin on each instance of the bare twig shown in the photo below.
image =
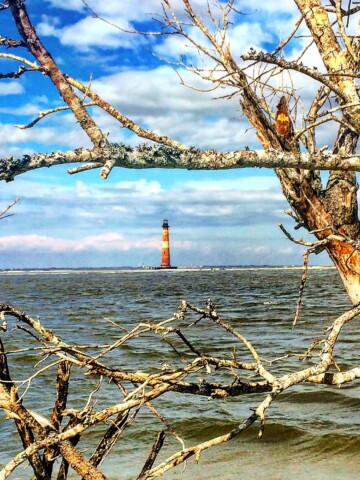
(2, 214)
(41, 115)
(153, 454)
(302, 286)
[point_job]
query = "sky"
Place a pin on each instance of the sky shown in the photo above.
(216, 218)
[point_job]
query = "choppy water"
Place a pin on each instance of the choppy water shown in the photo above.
(312, 431)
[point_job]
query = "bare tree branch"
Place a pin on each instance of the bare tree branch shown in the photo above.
(148, 156)
(3, 213)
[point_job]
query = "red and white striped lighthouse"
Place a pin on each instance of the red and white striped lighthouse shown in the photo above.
(165, 247)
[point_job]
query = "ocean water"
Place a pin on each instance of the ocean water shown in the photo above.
(311, 431)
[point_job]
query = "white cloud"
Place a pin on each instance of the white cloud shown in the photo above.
(269, 7)
(245, 35)
(105, 242)
(11, 134)
(91, 32)
(125, 9)
(76, 5)
(156, 99)
(48, 26)
(59, 131)
(139, 187)
(119, 223)
(239, 37)
(11, 88)
(261, 249)
(250, 182)
(96, 207)
(26, 109)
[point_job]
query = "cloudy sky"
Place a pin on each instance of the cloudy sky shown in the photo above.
(216, 218)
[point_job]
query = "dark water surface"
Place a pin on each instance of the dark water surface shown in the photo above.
(312, 431)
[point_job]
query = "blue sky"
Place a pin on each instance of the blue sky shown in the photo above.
(216, 218)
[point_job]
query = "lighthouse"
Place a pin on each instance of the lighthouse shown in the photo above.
(165, 247)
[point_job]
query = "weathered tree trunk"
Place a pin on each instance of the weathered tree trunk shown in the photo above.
(333, 210)
(340, 198)
(323, 212)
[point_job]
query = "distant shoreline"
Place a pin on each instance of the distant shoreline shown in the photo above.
(64, 271)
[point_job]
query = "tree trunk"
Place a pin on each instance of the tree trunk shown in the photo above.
(341, 202)
(323, 212)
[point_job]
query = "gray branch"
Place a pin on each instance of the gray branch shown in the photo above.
(269, 58)
(160, 156)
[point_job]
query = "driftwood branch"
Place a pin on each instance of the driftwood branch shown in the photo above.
(63, 441)
(153, 454)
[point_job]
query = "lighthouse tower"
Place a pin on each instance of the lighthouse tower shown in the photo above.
(165, 247)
